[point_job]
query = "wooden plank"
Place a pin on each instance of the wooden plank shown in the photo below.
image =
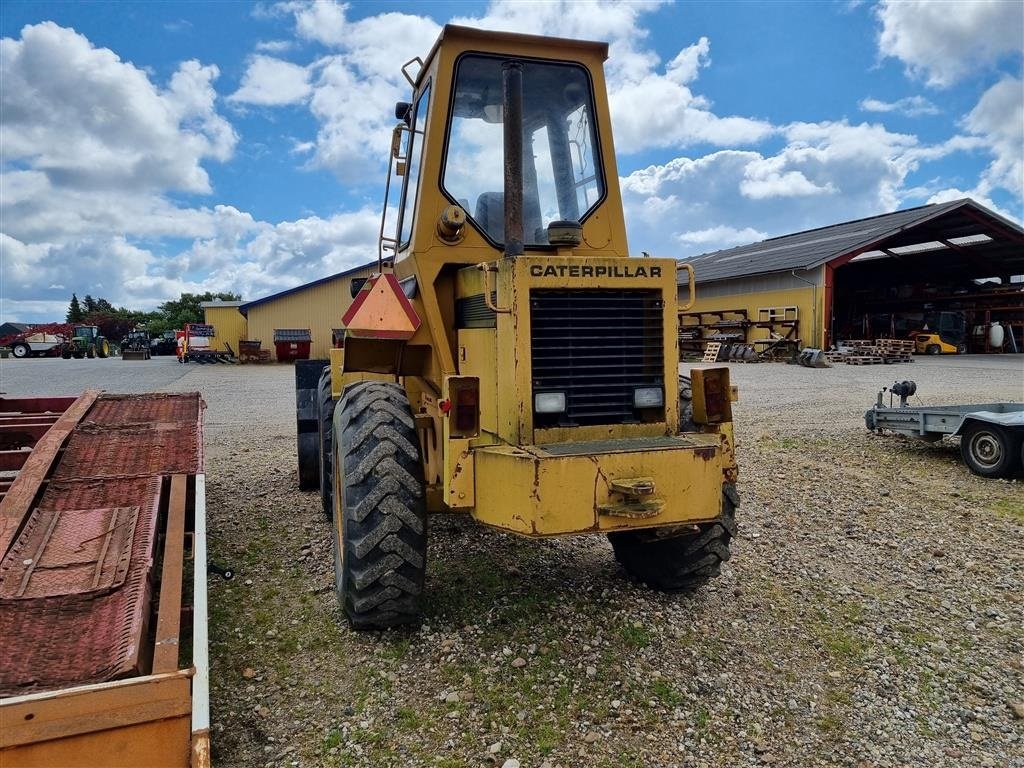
(168, 622)
(19, 499)
(90, 708)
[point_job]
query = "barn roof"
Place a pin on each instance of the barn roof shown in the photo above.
(244, 308)
(938, 224)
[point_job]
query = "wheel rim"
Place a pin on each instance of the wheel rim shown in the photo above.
(19, 351)
(986, 449)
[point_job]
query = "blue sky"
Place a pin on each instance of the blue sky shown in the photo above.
(154, 148)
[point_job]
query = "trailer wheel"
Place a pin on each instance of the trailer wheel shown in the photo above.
(325, 418)
(989, 450)
(679, 563)
(65, 353)
(380, 514)
(21, 350)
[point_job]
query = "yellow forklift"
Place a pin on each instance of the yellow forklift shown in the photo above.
(509, 361)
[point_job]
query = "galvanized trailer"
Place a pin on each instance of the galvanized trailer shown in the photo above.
(991, 434)
(103, 582)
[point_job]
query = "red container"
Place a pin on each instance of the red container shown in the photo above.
(292, 344)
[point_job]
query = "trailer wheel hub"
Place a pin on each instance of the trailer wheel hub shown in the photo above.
(986, 448)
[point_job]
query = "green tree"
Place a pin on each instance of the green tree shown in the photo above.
(186, 309)
(75, 312)
(89, 304)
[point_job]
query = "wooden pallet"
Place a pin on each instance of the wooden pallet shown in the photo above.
(864, 360)
(836, 357)
(711, 351)
(889, 359)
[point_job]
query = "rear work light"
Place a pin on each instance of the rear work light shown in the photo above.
(648, 397)
(549, 402)
(463, 406)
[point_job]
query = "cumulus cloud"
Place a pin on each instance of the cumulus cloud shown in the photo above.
(999, 119)
(88, 120)
(721, 236)
(272, 82)
(911, 106)
(864, 166)
(942, 43)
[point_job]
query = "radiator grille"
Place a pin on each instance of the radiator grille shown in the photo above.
(597, 346)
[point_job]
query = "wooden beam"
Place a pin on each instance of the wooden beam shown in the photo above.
(168, 622)
(18, 501)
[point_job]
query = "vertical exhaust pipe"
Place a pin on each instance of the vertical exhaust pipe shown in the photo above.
(512, 91)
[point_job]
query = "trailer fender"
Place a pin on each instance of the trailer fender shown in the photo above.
(1013, 420)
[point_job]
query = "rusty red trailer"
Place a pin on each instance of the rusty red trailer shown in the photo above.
(103, 581)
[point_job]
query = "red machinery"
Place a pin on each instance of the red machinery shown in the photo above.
(18, 341)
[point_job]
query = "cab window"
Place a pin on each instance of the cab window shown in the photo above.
(562, 177)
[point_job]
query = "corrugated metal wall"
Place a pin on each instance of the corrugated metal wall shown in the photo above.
(761, 291)
(228, 325)
(317, 307)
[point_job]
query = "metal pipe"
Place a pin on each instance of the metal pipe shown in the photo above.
(512, 91)
(814, 307)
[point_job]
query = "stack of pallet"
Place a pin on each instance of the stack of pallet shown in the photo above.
(862, 352)
(896, 350)
(868, 352)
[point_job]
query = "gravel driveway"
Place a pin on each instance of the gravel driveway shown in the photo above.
(872, 614)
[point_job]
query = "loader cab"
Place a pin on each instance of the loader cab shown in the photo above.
(448, 148)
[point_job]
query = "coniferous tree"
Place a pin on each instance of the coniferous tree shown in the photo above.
(75, 312)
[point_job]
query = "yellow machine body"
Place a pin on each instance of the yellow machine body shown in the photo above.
(511, 468)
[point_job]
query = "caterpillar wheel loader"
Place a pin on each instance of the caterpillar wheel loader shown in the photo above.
(509, 360)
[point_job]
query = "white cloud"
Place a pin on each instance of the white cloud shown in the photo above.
(272, 82)
(274, 46)
(952, 193)
(91, 121)
(999, 119)
(721, 236)
(826, 172)
(911, 106)
(942, 43)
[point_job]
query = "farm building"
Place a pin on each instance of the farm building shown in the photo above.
(953, 266)
(228, 324)
(316, 307)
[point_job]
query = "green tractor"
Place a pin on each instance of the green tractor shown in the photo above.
(85, 341)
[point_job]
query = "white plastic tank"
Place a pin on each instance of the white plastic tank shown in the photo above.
(995, 336)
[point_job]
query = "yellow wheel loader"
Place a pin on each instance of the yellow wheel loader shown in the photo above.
(509, 361)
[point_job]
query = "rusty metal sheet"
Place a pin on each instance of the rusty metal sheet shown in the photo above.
(84, 635)
(69, 552)
(79, 612)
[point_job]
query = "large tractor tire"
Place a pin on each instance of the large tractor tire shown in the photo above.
(325, 418)
(679, 563)
(380, 514)
(21, 350)
(90, 352)
(990, 450)
(103, 348)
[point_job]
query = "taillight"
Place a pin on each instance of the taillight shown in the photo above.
(712, 398)
(464, 406)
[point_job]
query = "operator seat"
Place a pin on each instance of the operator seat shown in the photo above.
(490, 214)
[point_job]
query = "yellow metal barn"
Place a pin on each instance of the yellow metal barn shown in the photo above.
(953, 266)
(228, 324)
(317, 306)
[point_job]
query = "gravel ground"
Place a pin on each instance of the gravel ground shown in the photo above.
(872, 614)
